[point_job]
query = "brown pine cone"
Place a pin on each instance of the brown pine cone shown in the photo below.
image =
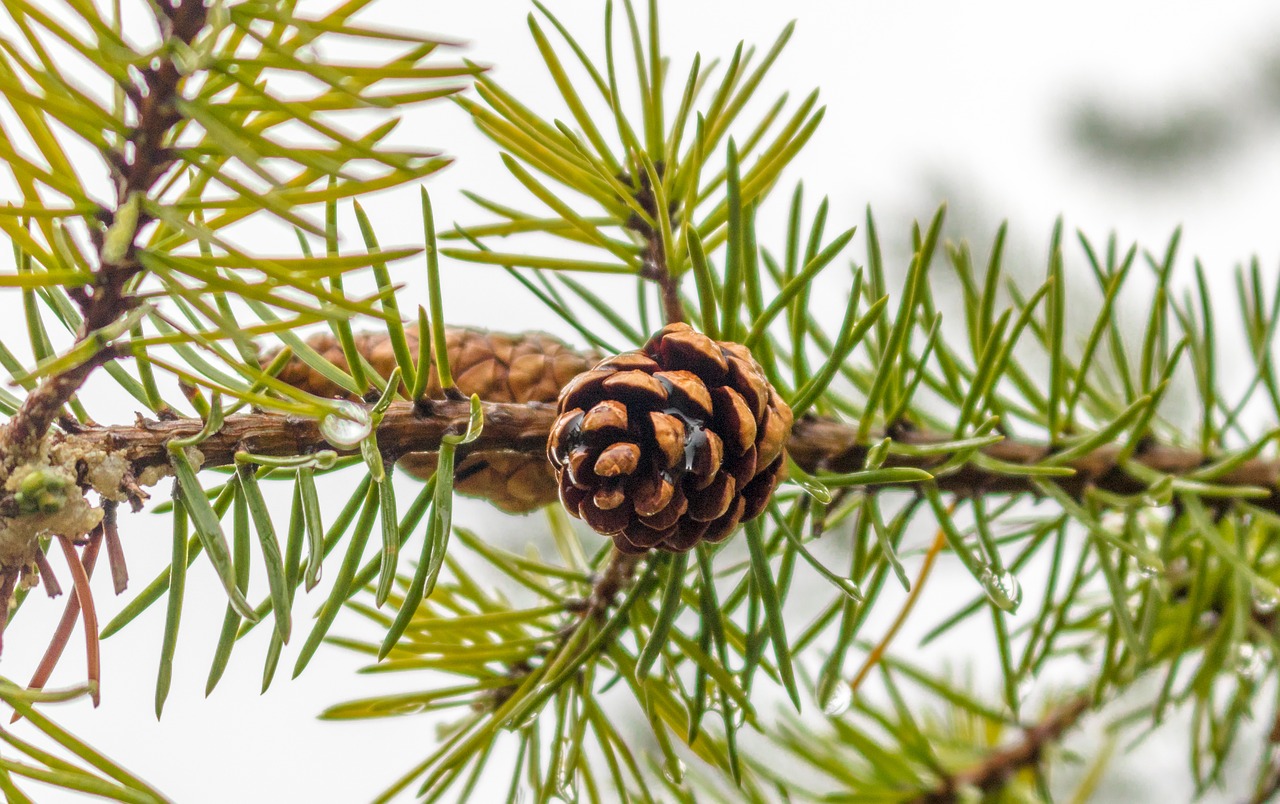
(670, 445)
(528, 367)
(513, 481)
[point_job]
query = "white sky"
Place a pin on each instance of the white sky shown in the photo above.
(974, 97)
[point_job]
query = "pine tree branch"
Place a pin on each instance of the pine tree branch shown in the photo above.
(134, 174)
(819, 444)
(655, 269)
(993, 773)
(816, 445)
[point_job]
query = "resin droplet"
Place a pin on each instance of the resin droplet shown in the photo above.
(347, 425)
(1002, 587)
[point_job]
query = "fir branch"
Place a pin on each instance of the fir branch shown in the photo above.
(156, 104)
(816, 445)
(993, 773)
(405, 428)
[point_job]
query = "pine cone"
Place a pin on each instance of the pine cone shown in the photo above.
(513, 481)
(670, 445)
(528, 367)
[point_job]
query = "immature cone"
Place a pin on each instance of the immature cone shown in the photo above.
(671, 445)
(528, 367)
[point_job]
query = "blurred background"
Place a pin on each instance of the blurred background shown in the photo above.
(1135, 118)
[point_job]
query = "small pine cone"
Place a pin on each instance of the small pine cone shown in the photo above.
(528, 367)
(671, 445)
(513, 481)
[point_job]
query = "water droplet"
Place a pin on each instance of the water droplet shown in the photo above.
(813, 488)
(1002, 587)
(1025, 687)
(674, 771)
(837, 700)
(849, 588)
(347, 425)
(517, 723)
(1264, 603)
(1249, 661)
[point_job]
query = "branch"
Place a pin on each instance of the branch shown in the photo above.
(405, 428)
(655, 266)
(997, 769)
(819, 444)
(816, 445)
(107, 299)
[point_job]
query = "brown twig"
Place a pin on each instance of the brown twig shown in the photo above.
(617, 576)
(406, 427)
(655, 269)
(815, 445)
(994, 772)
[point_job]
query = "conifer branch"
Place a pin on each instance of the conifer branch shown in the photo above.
(655, 203)
(135, 174)
(993, 773)
(816, 445)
